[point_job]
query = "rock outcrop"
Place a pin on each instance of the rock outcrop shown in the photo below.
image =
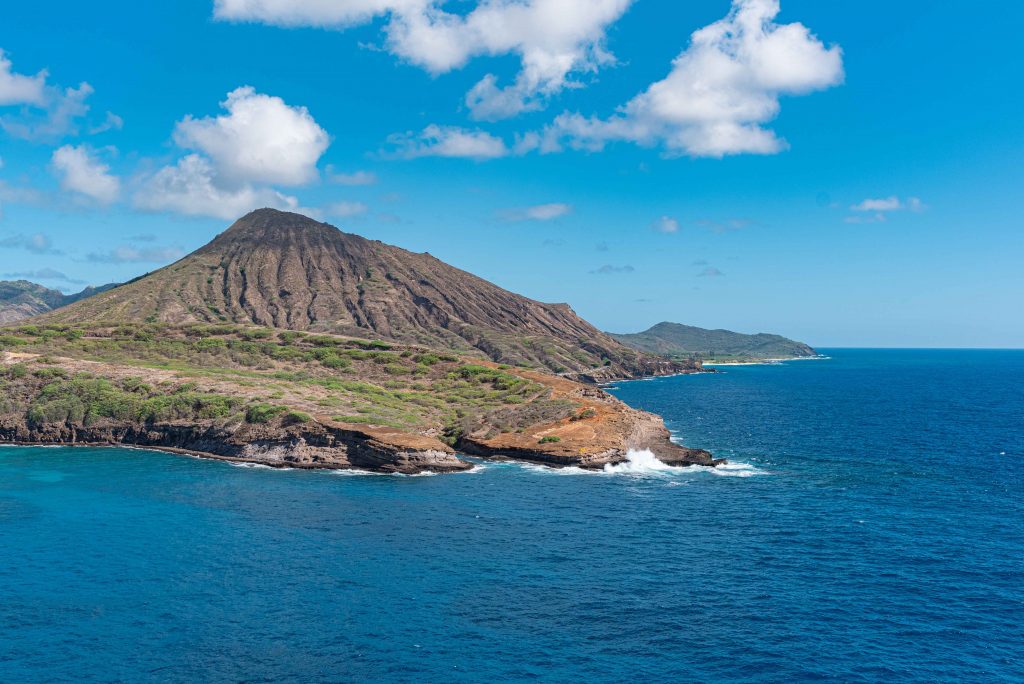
(312, 445)
(600, 431)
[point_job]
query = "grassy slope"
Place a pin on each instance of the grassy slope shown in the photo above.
(160, 372)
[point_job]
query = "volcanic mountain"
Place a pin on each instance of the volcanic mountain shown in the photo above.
(285, 270)
(289, 343)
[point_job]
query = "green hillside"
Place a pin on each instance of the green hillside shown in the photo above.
(677, 340)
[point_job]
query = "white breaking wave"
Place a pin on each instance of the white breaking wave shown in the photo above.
(639, 462)
(355, 472)
(736, 470)
(350, 472)
(477, 468)
(552, 470)
(643, 463)
(258, 466)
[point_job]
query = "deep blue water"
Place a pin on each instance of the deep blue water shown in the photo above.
(872, 531)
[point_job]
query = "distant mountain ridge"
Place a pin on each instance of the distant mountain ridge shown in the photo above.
(678, 340)
(285, 270)
(20, 299)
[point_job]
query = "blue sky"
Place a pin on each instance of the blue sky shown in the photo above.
(843, 173)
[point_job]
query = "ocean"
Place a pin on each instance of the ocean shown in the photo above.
(869, 528)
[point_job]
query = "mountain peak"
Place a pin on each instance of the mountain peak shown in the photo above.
(268, 214)
(260, 221)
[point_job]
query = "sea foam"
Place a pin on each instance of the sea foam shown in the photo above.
(736, 470)
(639, 462)
(643, 463)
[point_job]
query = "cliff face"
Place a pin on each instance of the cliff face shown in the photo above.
(601, 430)
(285, 270)
(310, 446)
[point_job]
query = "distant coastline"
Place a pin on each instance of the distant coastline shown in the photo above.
(766, 362)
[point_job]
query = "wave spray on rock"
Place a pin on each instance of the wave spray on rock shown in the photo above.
(639, 462)
(643, 462)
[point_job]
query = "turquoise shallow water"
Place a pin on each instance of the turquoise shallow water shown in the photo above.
(872, 529)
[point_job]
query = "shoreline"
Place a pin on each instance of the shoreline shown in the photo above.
(470, 466)
(767, 362)
(206, 456)
(596, 430)
(311, 446)
(167, 450)
(323, 444)
(605, 434)
(209, 456)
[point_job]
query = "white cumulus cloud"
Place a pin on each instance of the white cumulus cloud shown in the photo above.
(59, 115)
(546, 212)
(554, 39)
(38, 243)
(346, 209)
(323, 13)
(43, 274)
(46, 112)
(537, 212)
(190, 187)
(354, 178)
(892, 203)
(80, 171)
(879, 208)
(721, 92)
(127, 254)
(261, 139)
(884, 204)
(112, 122)
(609, 269)
(448, 141)
(667, 224)
(18, 89)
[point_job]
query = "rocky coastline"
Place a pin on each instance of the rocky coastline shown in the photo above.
(286, 342)
(323, 445)
(308, 446)
(605, 437)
